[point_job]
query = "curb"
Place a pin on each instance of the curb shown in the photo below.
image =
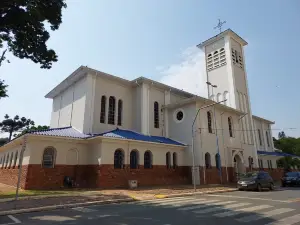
(70, 205)
(194, 193)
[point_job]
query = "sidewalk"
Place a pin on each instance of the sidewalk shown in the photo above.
(91, 197)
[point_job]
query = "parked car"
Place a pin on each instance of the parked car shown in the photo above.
(290, 179)
(255, 181)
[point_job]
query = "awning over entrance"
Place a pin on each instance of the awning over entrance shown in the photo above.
(278, 154)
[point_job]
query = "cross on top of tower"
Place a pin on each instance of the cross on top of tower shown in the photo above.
(219, 26)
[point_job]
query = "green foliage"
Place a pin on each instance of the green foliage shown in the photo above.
(3, 141)
(3, 91)
(17, 124)
(22, 28)
(288, 145)
(33, 128)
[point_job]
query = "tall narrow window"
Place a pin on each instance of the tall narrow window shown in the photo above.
(120, 111)
(217, 158)
(11, 159)
(49, 157)
(148, 160)
(168, 160)
(111, 110)
(250, 161)
(174, 160)
(156, 115)
(119, 159)
(267, 137)
(103, 109)
(7, 160)
(16, 158)
(230, 126)
(134, 159)
(3, 162)
(259, 137)
(209, 121)
(207, 160)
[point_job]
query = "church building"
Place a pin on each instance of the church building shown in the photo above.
(107, 131)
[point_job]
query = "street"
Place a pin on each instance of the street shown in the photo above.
(280, 207)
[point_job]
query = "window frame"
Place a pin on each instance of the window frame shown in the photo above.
(230, 127)
(168, 160)
(103, 109)
(156, 114)
(148, 162)
(209, 122)
(111, 110)
(52, 155)
(119, 159)
(120, 112)
(207, 159)
(134, 159)
(175, 163)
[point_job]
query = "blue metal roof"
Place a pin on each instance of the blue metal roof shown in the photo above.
(62, 132)
(117, 133)
(131, 135)
(282, 154)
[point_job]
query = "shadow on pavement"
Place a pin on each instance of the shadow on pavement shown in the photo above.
(154, 214)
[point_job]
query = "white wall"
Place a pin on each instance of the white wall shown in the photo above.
(69, 106)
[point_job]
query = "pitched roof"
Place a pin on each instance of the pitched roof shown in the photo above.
(282, 154)
(61, 132)
(131, 135)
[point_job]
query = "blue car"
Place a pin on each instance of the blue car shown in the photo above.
(290, 179)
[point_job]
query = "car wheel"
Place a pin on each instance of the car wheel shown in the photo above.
(271, 187)
(259, 189)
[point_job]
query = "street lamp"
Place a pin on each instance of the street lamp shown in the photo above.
(217, 139)
(193, 150)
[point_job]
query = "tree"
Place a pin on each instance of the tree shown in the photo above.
(281, 135)
(33, 128)
(10, 126)
(22, 29)
(3, 91)
(3, 141)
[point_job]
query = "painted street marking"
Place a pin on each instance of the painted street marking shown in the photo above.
(264, 215)
(85, 210)
(177, 203)
(14, 219)
(234, 213)
(287, 221)
(219, 208)
(161, 202)
(252, 198)
(198, 206)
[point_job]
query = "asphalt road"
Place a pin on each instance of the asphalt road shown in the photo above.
(281, 207)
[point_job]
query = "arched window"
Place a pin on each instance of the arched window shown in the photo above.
(134, 159)
(209, 121)
(111, 110)
(49, 157)
(119, 159)
(168, 160)
(207, 160)
(219, 97)
(7, 160)
(259, 137)
(250, 161)
(3, 161)
(175, 160)
(216, 52)
(120, 111)
(226, 97)
(217, 158)
(103, 109)
(156, 115)
(148, 160)
(267, 137)
(230, 127)
(11, 159)
(16, 157)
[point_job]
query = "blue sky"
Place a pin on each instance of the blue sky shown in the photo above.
(157, 39)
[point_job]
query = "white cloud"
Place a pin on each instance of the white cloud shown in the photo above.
(189, 74)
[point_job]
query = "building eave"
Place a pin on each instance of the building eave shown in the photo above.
(263, 119)
(221, 35)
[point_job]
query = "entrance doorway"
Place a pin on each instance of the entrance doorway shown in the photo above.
(238, 165)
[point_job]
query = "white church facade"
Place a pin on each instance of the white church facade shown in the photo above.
(106, 131)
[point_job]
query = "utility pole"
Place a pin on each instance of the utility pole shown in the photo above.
(193, 150)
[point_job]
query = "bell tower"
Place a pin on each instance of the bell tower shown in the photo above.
(226, 70)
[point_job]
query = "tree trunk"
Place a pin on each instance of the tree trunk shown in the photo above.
(10, 135)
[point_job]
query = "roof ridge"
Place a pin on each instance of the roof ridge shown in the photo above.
(50, 129)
